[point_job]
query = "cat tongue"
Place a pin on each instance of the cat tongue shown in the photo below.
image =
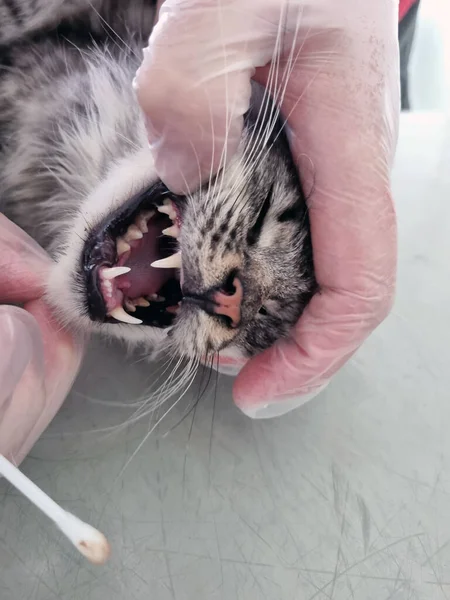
(143, 279)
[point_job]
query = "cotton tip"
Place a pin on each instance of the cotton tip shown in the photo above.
(89, 541)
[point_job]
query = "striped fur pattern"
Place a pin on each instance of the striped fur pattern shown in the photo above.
(73, 149)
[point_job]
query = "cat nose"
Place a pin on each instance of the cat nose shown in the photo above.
(225, 301)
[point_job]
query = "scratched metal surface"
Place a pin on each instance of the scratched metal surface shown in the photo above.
(349, 497)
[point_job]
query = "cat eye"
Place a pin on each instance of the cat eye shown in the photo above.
(255, 231)
(263, 311)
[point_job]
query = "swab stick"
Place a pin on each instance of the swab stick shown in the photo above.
(89, 541)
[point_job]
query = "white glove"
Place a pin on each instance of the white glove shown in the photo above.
(337, 83)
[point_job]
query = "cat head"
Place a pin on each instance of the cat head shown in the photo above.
(228, 269)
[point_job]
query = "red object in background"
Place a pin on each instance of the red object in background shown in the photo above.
(403, 8)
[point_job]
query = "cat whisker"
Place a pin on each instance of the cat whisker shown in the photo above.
(106, 26)
(276, 92)
(261, 117)
(279, 99)
(152, 429)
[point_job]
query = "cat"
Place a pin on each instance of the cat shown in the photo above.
(234, 265)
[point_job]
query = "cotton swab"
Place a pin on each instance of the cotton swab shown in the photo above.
(89, 541)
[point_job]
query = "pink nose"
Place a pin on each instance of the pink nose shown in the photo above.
(229, 305)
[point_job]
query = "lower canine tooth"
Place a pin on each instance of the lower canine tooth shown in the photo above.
(141, 302)
(173, 231)
(122, 246)
(171, 262)
(133, 233)
(111, 273)
(120, 315)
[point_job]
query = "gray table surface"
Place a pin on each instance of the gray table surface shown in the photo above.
(348, 497)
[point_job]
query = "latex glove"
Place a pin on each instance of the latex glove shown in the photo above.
(342, 105)
(38, 359)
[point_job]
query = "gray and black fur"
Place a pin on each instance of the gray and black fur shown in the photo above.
(73, 149)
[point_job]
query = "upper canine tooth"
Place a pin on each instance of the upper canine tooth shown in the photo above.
(133, 233)
(112, 272)
(171, 262)
(173, 231)
(119, 314)
(122, 246)
(141, 302)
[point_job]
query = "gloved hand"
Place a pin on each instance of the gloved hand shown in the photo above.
(38, 359)
(337, 83)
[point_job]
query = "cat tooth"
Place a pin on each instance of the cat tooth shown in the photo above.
(129, 305)
(142, 218)
(141, 302)
(119, 314)
(122, 246)
(141, 224)
(173, 309)
(113, 272)
(157, 298)
(171, 262)
(133, 233)
(173, 231)
(168, 209)
(108, 287)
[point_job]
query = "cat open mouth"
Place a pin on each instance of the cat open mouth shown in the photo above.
(131, 262)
